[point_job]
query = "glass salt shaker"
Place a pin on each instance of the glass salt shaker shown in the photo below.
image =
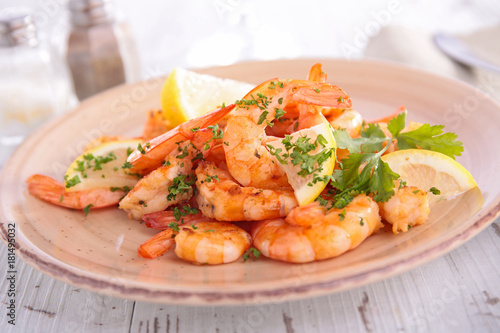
(101, 53)
(31, 88)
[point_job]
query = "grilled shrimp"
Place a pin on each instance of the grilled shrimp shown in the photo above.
(222, 198)
(312, 232)
(203, 242)
(249, 162)
(54, 192)
(155, 150)
(408, 207)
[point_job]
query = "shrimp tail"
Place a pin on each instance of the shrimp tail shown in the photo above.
(323, 94)
(155, 150)
(316, 74)
(157, 245)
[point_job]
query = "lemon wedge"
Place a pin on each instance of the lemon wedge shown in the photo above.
(186, 95)
(305, 188)
(426, 169)
(102, 166)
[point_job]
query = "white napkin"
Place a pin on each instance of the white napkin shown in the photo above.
(417, 49)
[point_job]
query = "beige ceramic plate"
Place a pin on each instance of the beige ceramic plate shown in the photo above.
(98, 252)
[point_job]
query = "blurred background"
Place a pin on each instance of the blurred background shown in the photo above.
(56, 52)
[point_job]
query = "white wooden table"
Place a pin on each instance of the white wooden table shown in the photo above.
(458, 292)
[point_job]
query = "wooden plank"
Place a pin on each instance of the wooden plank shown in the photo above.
(47, 305)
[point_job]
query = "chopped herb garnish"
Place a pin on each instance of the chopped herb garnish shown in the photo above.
(174, 226)
(86, 210)
(123, 189)
(209, 178)
(216, 132)
(256, 253)
(262, 117)
(317, 90)
(127, 165)
(194, 227)
(61, 198)
(185, 210)
(139, 148)
(434, 191)
(342, 215)
(361, 223)
(72, 182)
(181, 184)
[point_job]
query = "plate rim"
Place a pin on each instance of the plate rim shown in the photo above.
(98, 283)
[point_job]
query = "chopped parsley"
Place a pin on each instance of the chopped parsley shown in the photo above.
(139, 148)
(209, 178)
(342, 215)
(181, 184)
(123, 189)
(301, 152)
(216, 132)
(434, 191)
(174, 226)
(86, 210)
(72, 182)
(127, 165)
(185, 210)
(256, 253)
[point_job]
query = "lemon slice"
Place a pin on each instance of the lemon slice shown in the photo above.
(426, 169)
(304, 188)
(187, 95)
(102, 167)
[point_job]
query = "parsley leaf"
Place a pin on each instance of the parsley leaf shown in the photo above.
(256, 253)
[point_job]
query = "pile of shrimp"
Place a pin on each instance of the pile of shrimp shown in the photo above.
(206, 176)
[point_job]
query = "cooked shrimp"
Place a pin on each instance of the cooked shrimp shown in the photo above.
(155, 191)
(54, 192)
(170, 183)
(204, 242)
(155, 151)
(222, 198)
(249, 162)
(407, 208)
(311, 232)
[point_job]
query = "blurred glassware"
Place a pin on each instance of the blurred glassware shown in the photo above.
(32, 89)
(101, 53)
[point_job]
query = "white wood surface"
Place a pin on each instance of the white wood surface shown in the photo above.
(459, 292)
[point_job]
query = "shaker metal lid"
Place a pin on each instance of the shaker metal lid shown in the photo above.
(16, 27)
(91, 12)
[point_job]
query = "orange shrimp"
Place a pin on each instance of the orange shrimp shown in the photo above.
(155, 150)
(54, 192)
(312, 233)
(249, 162)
